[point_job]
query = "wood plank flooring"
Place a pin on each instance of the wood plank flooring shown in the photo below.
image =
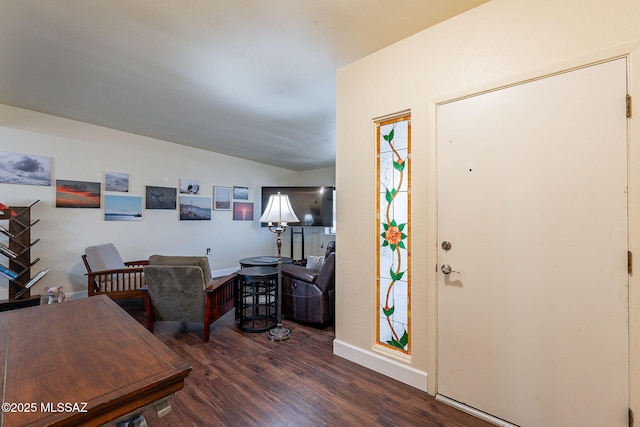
(244, 379)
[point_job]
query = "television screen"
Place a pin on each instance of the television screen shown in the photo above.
(312, 205)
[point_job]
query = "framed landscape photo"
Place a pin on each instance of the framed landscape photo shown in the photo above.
(77, 194)
(195, 208)
(242, 211)
(160, 197)
(122, 208)
(222, 198)
(116, 181)
(241, 193)
(17, 168)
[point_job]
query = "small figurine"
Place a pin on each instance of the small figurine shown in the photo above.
(55, 294)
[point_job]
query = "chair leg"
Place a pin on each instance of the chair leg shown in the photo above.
(207, 316)
(205, 333)
(148, 311)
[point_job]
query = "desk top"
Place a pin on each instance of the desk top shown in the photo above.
(88, 355)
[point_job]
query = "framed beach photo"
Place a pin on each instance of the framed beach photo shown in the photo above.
(222, 198)
(195, 208)
(122, 208)
(241, 193)
(242, 211)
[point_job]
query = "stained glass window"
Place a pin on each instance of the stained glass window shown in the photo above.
(393, 137)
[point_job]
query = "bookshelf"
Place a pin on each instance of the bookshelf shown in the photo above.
(16, 249)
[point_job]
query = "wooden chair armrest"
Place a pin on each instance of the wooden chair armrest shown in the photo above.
(219, 282)
(141, 262)
(117, 271)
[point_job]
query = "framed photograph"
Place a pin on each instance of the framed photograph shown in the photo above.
(116, 181)
(16, 168)
(242, 211)
(122, 208)
(222, 198)
(189, 186)
(241, 193)
(77, 194)
(195, 208)
(160, 197)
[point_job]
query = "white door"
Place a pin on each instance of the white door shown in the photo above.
(532, 180)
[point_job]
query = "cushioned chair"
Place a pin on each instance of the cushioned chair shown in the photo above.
(108, 274)
(180, 288)
(308, 292)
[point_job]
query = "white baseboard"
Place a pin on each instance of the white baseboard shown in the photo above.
(385, 366)
(76, 295)
(224, 272)
(44, 299)
(472, 411)
(84, 294)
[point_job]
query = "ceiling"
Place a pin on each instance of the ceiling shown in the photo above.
(249, 78)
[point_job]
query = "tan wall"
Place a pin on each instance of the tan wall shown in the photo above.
(501, 42)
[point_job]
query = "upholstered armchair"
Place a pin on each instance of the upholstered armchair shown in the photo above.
(180, 288)
(308, 292)
(108, 274)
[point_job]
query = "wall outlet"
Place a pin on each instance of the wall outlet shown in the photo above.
(208, 251)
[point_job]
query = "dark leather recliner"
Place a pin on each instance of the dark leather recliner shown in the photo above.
(309, 295)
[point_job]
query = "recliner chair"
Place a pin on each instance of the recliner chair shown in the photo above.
(308, 295)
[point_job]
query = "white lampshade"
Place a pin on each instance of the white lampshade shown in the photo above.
(279, 210)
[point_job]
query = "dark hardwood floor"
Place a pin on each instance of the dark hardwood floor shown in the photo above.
(244, 379)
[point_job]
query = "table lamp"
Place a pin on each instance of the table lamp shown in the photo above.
(277, 215)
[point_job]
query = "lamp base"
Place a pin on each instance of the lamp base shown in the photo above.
(279, 333)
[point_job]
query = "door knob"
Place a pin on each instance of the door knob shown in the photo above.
(446, 269)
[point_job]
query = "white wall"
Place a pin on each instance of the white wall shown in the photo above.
(85, 152)
(501, 42)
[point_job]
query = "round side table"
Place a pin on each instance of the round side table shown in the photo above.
(257, 303)
(263, 261)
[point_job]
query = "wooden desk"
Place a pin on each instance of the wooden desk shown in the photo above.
(84, 362)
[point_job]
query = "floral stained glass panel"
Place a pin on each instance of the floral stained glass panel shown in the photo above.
(393, 137)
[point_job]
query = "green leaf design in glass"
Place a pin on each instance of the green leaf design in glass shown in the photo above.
(389, 137)
(389, 311)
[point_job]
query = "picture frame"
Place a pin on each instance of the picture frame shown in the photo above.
(222, 198)
(241, 193)
(243, 211)
(116, 181)
(195, 208)
(122, 208)
(77, 194)
(161, 197)
(25, 169)
(189, 186)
